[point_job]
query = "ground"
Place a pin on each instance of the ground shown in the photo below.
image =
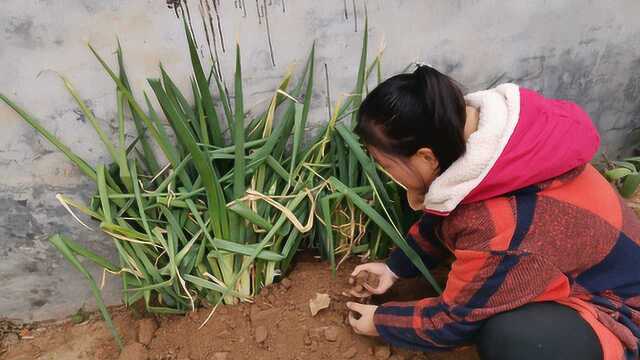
(278, 325)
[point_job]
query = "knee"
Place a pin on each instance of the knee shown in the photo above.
(538, 331)
(499, 340)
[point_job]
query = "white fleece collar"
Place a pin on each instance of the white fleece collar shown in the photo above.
(499, 112)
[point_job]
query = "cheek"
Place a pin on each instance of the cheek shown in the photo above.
(415, 184)
(409, 180)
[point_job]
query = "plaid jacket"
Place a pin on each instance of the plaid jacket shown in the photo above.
(571, 239)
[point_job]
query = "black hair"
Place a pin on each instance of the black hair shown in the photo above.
(411, 111)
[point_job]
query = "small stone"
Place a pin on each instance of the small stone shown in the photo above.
(321, 301)
(221, 356)
(365, 277)
(253, 313)
(261, 334)
(382, 352)
(350, 353)
(286, 283)
(260, 315)
(134, 351)
(307, 340)
(316, 333)
(331, 333)
(146, 330)
(271, 298)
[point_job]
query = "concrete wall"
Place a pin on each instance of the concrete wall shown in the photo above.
(586, 51)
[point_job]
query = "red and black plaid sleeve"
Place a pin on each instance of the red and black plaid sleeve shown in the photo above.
(422, 237)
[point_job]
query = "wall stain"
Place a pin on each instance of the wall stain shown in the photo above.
(37, 303)
(346, 13)
(266, 20)
(174, 5)
(217, 12)
(206, 10)
(259, 12)
(239, 4)
(79, 115)
(211, 14)
(22, 29)
(18, 223)
(632, 88)
(355, 16)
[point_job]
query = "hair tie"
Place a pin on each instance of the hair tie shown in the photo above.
(419, 64)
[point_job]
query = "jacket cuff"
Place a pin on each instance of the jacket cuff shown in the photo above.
(396, 328)
(400, 264)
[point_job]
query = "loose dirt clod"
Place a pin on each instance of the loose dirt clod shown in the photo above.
(223, 355)
(382, 352)
(258, 315)
(364, 277)
(321, 301)
(146, 329)
(316, 333)
(286, 283)
(134, 351)
(331, 333)
(306, 340)
(260, 334)
(350, 353)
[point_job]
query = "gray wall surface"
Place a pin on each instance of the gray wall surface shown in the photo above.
(585, 51)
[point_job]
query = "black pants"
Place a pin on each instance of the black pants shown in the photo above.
(540, 331)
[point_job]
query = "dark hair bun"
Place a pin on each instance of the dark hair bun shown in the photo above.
(408, 112)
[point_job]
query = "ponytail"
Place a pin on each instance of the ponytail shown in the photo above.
(408, 112)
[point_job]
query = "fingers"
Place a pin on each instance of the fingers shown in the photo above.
(357, 307)
(353, 322)
(359, 294)
(377, 290)
(383, 285)
(357, 270)
(355, 273)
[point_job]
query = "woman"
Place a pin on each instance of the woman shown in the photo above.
(547, 255)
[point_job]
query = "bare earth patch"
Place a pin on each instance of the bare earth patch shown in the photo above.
(279, 325)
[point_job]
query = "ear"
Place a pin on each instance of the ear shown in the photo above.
(425, 154)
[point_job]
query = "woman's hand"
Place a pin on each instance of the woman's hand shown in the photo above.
(362, 324)
(386, 279)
